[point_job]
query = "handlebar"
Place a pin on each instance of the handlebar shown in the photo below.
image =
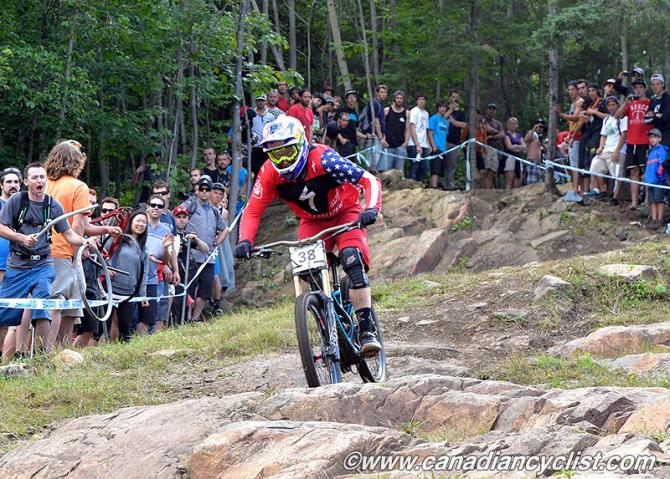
(265, 251)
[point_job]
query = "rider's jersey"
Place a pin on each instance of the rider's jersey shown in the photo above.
(328, 185)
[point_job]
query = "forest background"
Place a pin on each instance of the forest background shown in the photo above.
(155, 80)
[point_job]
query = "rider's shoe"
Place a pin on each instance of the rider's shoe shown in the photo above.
(369, 344)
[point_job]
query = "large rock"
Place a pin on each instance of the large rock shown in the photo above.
(395, 180)
(286, 449)
(613, 341)
(651, 418)
(648, 364)
(629, 272)
(550, 284)
(410, 255)
(438, 208)
(134, 442)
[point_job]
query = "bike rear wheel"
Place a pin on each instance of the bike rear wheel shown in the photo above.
(371, 369)
(310, 326)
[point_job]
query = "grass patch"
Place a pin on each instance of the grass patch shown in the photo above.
(463, 224)
(398, 295)
(119, 375)
(570, 373)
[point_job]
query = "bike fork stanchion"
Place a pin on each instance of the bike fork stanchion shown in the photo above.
(185, 297)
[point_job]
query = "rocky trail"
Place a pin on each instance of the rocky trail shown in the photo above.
(540, 328)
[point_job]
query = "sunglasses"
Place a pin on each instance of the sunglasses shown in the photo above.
(106, 210)
(157, 205)
(161, 193)
(206, 190)
(283, 154)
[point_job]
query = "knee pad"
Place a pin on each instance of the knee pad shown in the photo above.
(352, 263)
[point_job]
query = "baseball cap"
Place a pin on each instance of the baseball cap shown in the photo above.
(328, 99)
(659, 77)
(180, 210)
(492, 105)
(262, 96)
(610, 81)
(541, 120)
(205, 181)
(218, 186)
(611, 98)
(639, 81)
(399, 92)
(655, 132)
(350, 92)
(639, 71)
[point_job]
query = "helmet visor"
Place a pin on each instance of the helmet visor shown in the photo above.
(284, 156)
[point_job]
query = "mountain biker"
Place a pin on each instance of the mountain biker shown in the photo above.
(323, 190)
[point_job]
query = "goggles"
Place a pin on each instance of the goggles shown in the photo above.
(283, 154)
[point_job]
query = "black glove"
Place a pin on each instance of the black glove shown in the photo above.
(243, 249)
(368, 216)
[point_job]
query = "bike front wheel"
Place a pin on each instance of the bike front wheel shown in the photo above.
(310, 327)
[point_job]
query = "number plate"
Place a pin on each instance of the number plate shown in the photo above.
(308, 257)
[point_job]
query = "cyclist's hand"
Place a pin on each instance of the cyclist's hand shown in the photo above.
(243, 249)
(368, 217)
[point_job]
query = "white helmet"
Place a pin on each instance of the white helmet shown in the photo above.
(289, 149)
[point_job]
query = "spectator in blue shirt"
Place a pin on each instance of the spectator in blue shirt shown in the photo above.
(438, 129)
(654, 174)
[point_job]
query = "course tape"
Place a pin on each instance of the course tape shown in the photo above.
(602, 175)
(43, 303)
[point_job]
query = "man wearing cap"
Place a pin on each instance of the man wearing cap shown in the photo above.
(635, 108)
(636, 74)
(212, 229)
(654, 174)
(323, 114)
(396, 118)
(659, 110)
(262, 118)
(350, 132)
(302, 111)
(376, 133)
(608, 88)
(612, 139)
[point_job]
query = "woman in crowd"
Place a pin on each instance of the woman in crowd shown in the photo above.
(130, 256)
(514, 145)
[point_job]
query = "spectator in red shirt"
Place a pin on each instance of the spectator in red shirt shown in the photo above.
(283, 102)
(302, 111)
(635, 109)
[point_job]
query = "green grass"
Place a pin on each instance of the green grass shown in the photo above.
(570, 373)
(118, 375)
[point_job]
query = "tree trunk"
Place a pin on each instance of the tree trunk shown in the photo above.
(66, 78)
(474, 85)
(265, 7)
(194, 106)
(624, 44)
(366, 64)
(292, 47)
(550, 183)
(375, 41)
(309, 45)
(237, 132)
(337, 41)
(276, 52)
(393, 19)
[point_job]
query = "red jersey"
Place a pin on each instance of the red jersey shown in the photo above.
(283, 104)
(328, 186)
(637, 128)
(304, 116)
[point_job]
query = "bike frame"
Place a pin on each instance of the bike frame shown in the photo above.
(319, 282)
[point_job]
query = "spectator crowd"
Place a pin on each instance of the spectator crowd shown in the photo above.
(165, 244)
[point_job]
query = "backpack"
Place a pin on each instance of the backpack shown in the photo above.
(365, 120)
(192, 206)
(20, 219)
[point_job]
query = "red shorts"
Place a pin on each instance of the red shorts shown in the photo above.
(357, 238)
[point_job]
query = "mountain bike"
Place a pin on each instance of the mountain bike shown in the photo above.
(325, 321)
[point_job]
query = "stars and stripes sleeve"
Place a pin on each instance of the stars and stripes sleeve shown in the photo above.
(344, 171)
